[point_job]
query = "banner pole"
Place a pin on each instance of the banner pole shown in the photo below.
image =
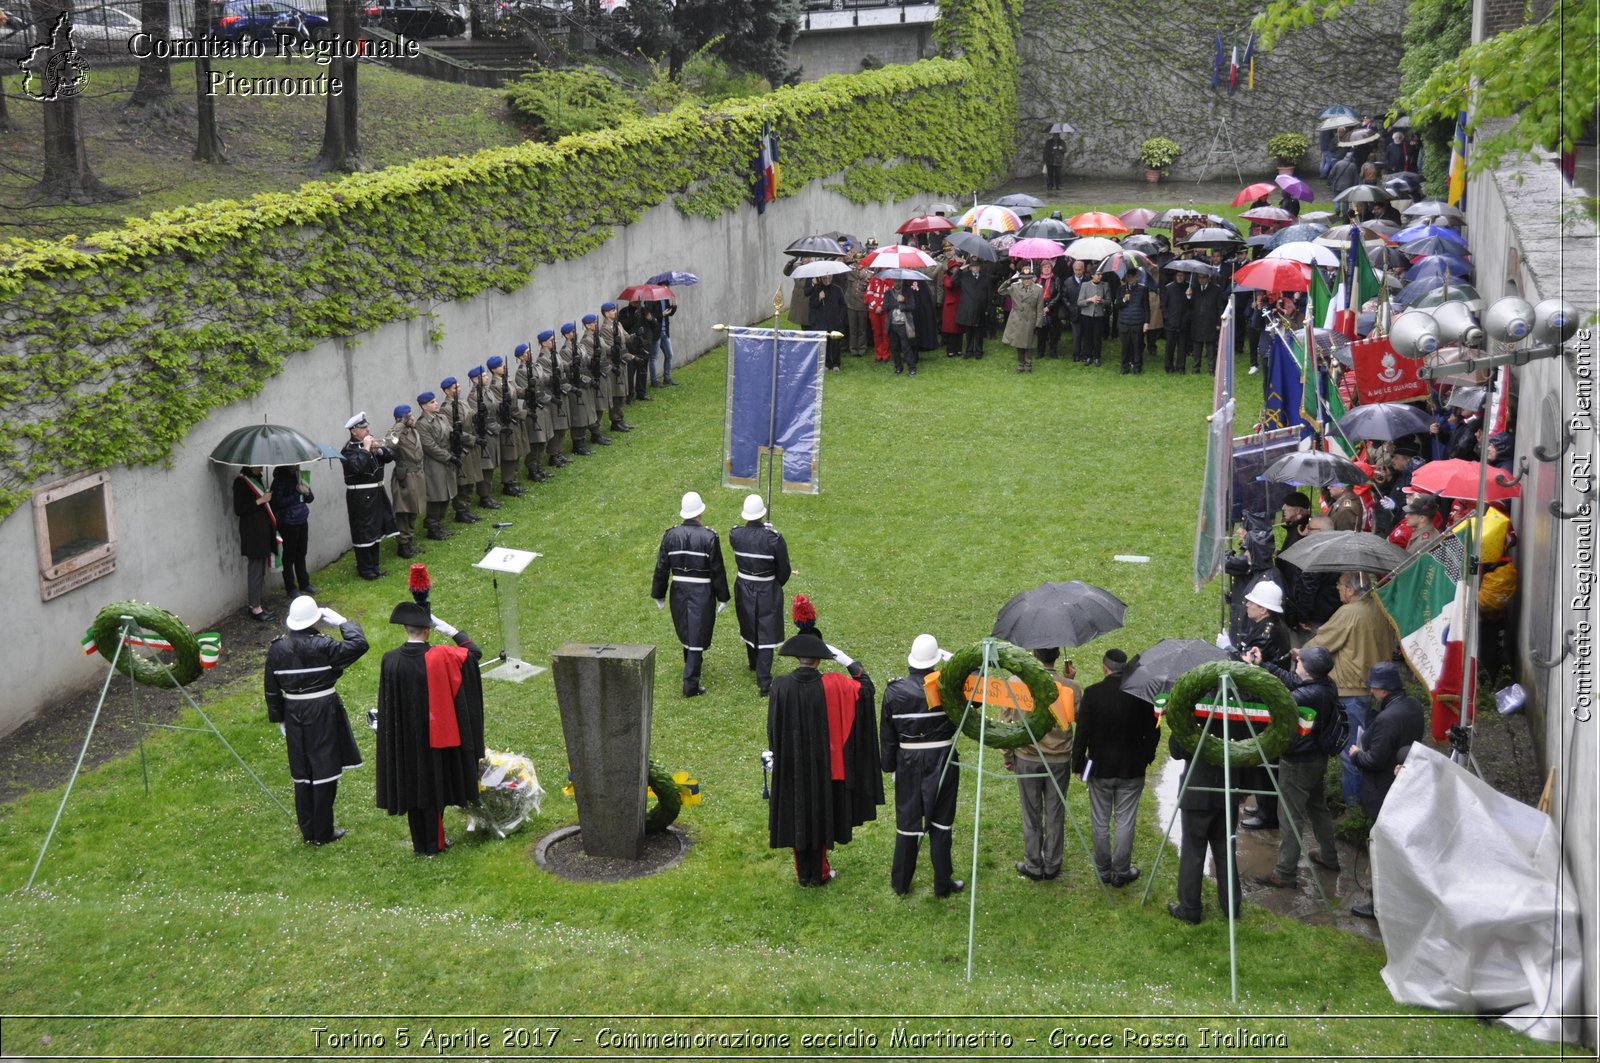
(772, 397)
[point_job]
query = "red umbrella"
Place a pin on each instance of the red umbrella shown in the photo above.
(1138, 217)
(927, 223)
(1251, 193)
(1097, 223)
(1455, 478)
(1270, 216)
(1274, 275)
(645, 293)
(898, 256)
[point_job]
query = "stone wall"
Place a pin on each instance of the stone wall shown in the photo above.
(1121, 72)
(821, 52)
(191, 565)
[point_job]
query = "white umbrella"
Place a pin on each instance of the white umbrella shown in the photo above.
(1305, 251)
(1093, 248)
(820, 268)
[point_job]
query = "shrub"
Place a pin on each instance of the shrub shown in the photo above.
(556, 103)
(1159, 153)
(1288, 148)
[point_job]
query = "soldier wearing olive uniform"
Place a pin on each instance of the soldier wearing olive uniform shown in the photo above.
(438, 468)
(507, 403)
(568, 363)
(408, 487)
(535, 407)
(488, 432)
(591, 359)
(463, 449)
(613, 341)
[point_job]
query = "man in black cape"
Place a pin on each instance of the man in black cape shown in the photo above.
(365, 499)
(762, 559)
(690, 559)
(430, 726)
(825, 781)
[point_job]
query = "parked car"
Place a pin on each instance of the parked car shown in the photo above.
(103, 29)
(414, 18)
(264, 20)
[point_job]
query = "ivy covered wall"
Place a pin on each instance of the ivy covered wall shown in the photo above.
(114, 346)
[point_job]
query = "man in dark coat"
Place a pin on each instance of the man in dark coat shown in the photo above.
(1205, 319)
(365, 500)
(820, 732)
(762, 559)
(430, 726)
(1175, 322)
(1069, 305)
(691, 558)
(1116, 741)
(1396, 721)
(827, 314)
(919, 748)
(258, 534)
(1207, 822)
(302, 668)
(1303, 766)
(1132, 316)
(972, 304)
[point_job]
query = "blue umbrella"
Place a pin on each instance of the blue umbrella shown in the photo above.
(1338, 110)
(1306, 230)
(673, 279)
(898, 274)
(1422, 232)
(1417, 289)
(1438, 266)
(1432, 245)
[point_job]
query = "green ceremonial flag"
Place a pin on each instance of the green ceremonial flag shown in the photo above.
(1364, 283)
(1425, 600)
(1321, 299)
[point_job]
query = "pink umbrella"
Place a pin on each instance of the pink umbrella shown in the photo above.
(1268, 216)
(898, 256)
(1455, 478)
(1251, 193)
(1097, 223)
(1036, 247)
(1295, 187)
(1138, 217)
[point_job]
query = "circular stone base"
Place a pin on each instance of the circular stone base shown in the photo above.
(561, 853)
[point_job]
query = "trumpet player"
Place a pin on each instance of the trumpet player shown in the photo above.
(365, 500)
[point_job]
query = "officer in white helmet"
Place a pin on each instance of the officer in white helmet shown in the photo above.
(762, 559)
(918, 745)
(690, 561)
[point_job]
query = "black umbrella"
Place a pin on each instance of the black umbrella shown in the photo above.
(1191, 265)
(1387, 257)
(1306, 230)
(1364, 194)
(816, 247)
(844, 240)
(1150, 244)
(1059, 614)
(1314, 467)
(1432, 208)
(1153, 672)
(265, 444)
(1020, 199)
(973, 246)
(1384, 420)
(1344, 551)
(1047, 229)
(1213, 237)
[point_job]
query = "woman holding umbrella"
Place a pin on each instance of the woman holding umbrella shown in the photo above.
(258, 534)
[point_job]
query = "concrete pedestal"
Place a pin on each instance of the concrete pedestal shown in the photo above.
(605, 692)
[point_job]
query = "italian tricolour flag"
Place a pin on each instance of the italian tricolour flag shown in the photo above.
(1426, 600)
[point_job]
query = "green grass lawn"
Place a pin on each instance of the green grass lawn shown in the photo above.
(941, 498)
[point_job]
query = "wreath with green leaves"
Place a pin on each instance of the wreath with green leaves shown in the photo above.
(668, 801)
(106, 632)
(1007, 658)
(1255, 684)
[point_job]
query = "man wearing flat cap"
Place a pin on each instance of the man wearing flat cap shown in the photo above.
(365, 500)
(1395, 723)
(302, 668)
(918, 746)
(408, 484)
(762, 559)
(430, 726)
(690, 559)
(824, 779)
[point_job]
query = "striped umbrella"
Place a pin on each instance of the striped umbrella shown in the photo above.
(988, 217)
(898, 256)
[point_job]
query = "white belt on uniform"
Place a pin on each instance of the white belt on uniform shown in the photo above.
(758, 579)
(927, 745)
(361, 487)
(691, 579)
(308, 696)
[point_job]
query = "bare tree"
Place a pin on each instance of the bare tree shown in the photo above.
(208, 145)
(55, 78)
(153, 92)
(341, 142)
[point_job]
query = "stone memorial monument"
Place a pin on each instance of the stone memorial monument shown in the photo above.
(604, 692)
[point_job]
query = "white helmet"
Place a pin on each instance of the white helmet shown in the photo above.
(1268, 595)
(303, 612)
(754, 508)
(692, 505)
(924, 652)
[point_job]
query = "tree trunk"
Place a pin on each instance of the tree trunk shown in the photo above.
(207, 144)
(154, 89)
(5, 116)
(341, 142)
(67, 176)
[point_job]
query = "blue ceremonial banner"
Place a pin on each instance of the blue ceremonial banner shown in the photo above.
(1283, 382)
(774, 407)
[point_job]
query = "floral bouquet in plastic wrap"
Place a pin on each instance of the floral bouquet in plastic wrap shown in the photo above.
(508, 793)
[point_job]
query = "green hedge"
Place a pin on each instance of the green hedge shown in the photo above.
(114, 346)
